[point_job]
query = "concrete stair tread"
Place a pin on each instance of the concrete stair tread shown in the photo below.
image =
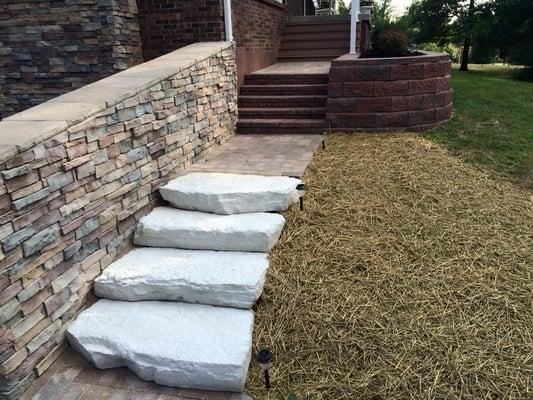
(170, 227)
(230, 193)
(174, 344)
(272, 112)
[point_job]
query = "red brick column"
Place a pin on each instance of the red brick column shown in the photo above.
(386, 94)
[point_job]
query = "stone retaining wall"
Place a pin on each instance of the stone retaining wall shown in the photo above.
(50, 47)
(77, 173)
(386, 94)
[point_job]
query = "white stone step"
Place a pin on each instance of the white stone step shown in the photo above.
(231, 193)
(220, 278)
(174, 344)
(170, 227)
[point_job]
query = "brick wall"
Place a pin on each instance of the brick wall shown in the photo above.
(72, 189)
(257, 28)
(52, 46)
(167, 25)
(384, 94)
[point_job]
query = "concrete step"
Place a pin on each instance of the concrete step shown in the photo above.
(283, 113)
(303, 101)
(219, 278)
(170, 227)
(291, 90)
(230, 193)
(174, 344)
(285, 79)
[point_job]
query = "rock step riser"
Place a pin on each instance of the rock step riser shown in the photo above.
(167, 227)
(174, 344)
(230, 193)
(228, 279)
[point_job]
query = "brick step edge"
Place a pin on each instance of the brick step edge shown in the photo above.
(286, 79)
(281, 113)
(281, 123)
(282, 101)
(282, 89)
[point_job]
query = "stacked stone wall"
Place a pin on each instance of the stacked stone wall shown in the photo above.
(389, 93)
(48, 48)
(73, 189)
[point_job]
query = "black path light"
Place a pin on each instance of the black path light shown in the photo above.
(265, 358)
(301, 188)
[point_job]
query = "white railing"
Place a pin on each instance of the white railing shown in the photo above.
(227, 21)
(353, 26)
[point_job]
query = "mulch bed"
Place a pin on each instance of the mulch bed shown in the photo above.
(407, 276)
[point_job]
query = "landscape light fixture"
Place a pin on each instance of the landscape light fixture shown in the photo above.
(265, 358)
(301, 188)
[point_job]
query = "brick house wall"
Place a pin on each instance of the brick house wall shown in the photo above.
(167, 25)
(50, 47)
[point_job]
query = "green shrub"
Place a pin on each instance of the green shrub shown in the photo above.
(391, 42)
(523, 74)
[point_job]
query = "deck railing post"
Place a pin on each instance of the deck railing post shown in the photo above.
(227, 21)
(353, 26)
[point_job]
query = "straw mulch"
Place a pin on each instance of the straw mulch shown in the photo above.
(408, 276)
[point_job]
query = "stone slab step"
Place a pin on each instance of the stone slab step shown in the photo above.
(182, 229)
(174, 344)
(230, 193)
(220, 278)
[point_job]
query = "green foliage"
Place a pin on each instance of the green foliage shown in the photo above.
(391, 42)
(449, 48)
(292, 396)
(511, 30)
(343, 9)
(523, 74)
(387, 36)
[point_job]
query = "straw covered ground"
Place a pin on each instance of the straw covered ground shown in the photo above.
(408, 275)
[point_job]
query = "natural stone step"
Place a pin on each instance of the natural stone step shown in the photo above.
(230, 193)
(174, 344)
(170, 227)
(221, 278)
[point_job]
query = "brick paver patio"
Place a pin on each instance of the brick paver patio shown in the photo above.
(262, 154)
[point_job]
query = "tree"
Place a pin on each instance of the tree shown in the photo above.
(467, 35)
(443, 22)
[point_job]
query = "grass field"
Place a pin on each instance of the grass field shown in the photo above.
(407, 276)
(492, 123)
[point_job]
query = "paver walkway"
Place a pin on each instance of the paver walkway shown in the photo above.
(72, 377)
(286, 155)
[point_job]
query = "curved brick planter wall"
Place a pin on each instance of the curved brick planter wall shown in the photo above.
(77, 173)
(386, 94)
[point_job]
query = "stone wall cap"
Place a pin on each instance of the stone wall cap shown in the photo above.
(37, 124)
(423, 56)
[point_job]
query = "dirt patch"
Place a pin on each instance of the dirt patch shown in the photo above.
(408, 275)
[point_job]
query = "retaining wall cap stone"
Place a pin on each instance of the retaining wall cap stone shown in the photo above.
(37, 124)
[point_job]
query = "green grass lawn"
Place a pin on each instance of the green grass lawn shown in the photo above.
(492, 124)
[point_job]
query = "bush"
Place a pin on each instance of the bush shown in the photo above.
(391, 42)
(523, 74)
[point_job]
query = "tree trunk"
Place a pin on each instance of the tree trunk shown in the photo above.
(468, 34)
